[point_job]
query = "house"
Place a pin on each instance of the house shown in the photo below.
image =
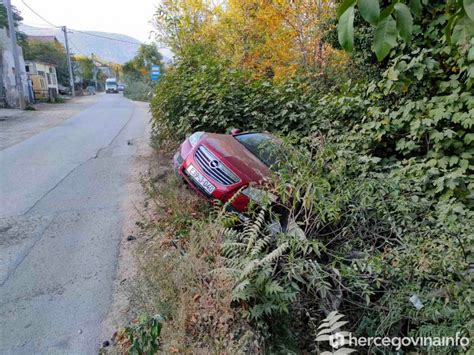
(9, 96)
(44, 79)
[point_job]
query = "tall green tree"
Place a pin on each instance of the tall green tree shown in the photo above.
(84, 67)
(140, 65)
(51, 53)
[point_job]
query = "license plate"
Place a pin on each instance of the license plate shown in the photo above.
(201, 180)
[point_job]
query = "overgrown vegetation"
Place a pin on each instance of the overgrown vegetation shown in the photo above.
(17, 18)
(137, 73)
(179, 275)
(381, 181)
(48, 52)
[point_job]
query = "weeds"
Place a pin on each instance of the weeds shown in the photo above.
(182, 275)
(142, 338)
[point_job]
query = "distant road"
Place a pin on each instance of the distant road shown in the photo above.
(61, 192)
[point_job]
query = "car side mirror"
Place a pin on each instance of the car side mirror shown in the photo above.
(235, 131)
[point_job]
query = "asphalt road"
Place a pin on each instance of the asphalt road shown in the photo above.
(61, 192)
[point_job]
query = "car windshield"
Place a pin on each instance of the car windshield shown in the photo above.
(264, 146)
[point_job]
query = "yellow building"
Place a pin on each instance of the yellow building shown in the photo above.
(44, 79)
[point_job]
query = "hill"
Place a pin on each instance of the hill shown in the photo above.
(120, 50)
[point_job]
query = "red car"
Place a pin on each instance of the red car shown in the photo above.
(218, 165)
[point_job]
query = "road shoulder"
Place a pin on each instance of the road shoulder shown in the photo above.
(120, 311)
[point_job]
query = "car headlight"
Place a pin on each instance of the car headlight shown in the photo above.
(194, 138)
(259, 196)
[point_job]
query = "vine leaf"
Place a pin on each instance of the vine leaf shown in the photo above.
(469, 8)
(345, 29)
(344, 6)
(404, 20)
(385, 37)
(463, 31)
(370, 10)
(416, 7)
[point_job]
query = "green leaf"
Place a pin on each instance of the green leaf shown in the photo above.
(370, 10)
(469, 8)
(385, 37)
(468, 138)
(345, 29)
(404, 20)
(448, 29)
(416, 7)
(386, 12)
(344, 6)
(463, 31)
(470, 54)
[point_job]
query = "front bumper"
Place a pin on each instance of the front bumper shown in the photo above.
(221, 194)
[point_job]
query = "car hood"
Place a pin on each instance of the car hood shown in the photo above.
(236, 157)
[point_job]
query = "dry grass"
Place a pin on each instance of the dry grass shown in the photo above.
(181, 272)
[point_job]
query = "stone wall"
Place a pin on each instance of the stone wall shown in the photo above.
(8, 91)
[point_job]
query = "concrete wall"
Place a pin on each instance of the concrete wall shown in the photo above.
(8, 89)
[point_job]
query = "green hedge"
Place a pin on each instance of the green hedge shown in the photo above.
(394, 180)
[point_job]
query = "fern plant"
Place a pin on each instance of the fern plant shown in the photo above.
(269, 269)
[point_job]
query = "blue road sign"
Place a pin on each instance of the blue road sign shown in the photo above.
(155, 72)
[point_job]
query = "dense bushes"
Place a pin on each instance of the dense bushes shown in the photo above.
(139, 90)
(372, 241)
(136, 73)
(384, 180)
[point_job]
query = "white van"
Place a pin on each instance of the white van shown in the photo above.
(111, 85)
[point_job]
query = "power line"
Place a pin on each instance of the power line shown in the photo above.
(75, 45)
(37, 14)
(105, 37)
(39, 25)
(83, 32)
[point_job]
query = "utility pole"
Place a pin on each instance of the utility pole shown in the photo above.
(71, 77)
(95, 72)
(16, 58)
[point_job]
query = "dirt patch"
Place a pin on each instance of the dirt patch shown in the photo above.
(17, 126)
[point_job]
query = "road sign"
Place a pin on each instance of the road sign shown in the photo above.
(155, 72)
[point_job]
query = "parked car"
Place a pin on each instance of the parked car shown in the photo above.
(64, 90)
(216, 166)
(121, 87)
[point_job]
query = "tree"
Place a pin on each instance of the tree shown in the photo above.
(268, 38)
(84, 67)
(181, 23)
(51, 53)
(17, 18)
(140, 65)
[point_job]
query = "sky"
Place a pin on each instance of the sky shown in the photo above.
(131, 18)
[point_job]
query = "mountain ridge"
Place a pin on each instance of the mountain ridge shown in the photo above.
(119, 49)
